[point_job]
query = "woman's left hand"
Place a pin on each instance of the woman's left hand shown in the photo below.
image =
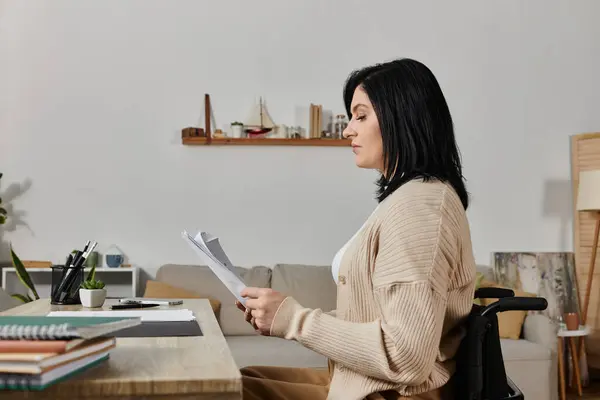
(263, 303)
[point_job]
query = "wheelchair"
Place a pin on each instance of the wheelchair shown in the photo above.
(480, 372)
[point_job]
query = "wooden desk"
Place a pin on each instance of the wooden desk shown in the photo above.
(150, 368)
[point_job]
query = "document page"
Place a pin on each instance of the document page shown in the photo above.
(144, 315)
(212, 254)
(212, 244)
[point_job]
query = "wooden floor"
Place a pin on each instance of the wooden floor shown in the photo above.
(591, 392)
(587, 395)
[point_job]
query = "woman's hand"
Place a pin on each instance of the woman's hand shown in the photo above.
(247, 314)
(261, 306)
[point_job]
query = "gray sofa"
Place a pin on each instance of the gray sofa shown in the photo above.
(530, 361)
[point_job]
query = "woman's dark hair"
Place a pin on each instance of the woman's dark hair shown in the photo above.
(415, 122)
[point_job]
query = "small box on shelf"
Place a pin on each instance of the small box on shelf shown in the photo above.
(36, 264)
(192, 132)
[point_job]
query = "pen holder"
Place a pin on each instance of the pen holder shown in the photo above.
(65, 285)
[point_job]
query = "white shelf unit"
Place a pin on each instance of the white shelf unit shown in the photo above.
(120, 282)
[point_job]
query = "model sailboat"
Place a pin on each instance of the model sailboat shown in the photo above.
(259, 122)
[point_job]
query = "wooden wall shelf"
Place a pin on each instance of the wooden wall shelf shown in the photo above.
(196, 136)
(197, 140)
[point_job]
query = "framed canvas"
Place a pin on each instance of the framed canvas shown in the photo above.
(546, 274)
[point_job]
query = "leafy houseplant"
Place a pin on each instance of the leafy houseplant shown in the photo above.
(24, 278)
(92, 285)
(92, 292)
(18, 265)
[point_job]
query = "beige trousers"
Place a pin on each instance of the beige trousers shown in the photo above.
(285, 383)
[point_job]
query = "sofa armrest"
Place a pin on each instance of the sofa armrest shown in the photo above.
(540, 329)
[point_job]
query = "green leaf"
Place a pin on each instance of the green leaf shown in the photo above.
(92, 274)
(22, 273)
(3, 211)
(91, 285)
(2, 219)
(20, 297)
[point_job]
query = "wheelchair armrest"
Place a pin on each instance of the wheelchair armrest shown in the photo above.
(516, 303)
(493, 293)
(540, 329)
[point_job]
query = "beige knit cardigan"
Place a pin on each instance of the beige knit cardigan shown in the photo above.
(406, 284)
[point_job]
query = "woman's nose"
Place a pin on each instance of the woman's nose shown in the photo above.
(348, 131)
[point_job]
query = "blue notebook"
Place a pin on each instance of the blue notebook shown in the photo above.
(26, 382)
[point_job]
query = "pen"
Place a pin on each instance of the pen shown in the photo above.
(130, 306)
(75, 258)
(78, 254)
(62, 275)
(69, 260)
(65, 285)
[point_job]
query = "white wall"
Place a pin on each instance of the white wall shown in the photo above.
(93, 96)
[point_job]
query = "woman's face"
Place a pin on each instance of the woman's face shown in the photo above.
(363, 130)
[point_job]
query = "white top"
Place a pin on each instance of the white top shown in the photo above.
(337, 260)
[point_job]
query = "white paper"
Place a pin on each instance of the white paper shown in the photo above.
(212, 244)
(145, 315)
(219, 263)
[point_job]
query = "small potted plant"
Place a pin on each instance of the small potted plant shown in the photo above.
(92, 293)
(237, 129)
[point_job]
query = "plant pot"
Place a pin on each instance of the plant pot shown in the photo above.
(237, 131)
(92, 298)
(571, 321)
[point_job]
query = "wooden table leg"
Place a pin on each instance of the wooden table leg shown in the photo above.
(561, 371)
(576, 365)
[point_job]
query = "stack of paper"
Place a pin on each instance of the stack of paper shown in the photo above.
(210, 251)
(144, 315)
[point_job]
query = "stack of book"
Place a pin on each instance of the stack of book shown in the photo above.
(316, 121)
(36, 352)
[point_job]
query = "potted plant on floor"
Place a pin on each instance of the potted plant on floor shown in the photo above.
(20, 269)
(92, 292)
(25, 279)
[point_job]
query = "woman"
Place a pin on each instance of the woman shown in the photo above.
(406, 279)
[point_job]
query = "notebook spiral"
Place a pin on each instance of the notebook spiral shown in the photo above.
(37, 332)
(17, 382)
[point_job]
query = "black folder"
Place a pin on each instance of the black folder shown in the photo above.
(161, 329)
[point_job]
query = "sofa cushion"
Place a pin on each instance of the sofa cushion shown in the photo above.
(312, 286)
(268, 350)
(162, 290)
(520, 350)
(532, 367)
(200, 279)
(510, 323)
